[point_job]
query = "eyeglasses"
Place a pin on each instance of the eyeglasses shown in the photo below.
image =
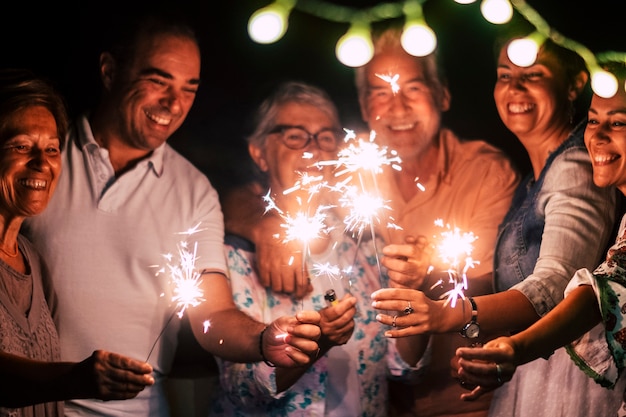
(295, 137)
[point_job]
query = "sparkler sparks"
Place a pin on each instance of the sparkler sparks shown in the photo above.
(364, 155)
(184, 278)
(392, 80)
(455, 249)
(364, 159)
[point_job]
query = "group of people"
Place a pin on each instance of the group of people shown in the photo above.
(89, 205)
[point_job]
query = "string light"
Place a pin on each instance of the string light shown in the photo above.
(355, 48)
(496, 11)
(269, 24)
(417, 38)
(523, 52)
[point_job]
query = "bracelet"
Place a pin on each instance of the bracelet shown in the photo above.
(268, 363)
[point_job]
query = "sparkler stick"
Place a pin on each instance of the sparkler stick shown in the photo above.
(455, 249)
(360, 157)
(302, 226)
(185, 279)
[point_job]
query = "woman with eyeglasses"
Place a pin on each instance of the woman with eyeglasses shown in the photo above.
(296, 127)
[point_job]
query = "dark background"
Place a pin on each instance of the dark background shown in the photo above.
(61, 41)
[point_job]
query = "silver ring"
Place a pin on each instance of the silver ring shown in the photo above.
(393, 323)
(498, 373)
(408, 309)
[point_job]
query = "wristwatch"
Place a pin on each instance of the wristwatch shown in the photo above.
(471, 330)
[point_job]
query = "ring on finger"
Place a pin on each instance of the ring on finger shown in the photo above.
(408, 309)
(498, 373)
(393, 322)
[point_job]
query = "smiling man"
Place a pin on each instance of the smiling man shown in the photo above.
(123, 201)
(467, 184)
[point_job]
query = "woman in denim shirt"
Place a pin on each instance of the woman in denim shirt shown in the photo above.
(543, 240)
(591, 319)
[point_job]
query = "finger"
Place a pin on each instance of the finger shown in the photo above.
(308, 317)
(398, 265)
(482, 354)
(402, 251)
(300, 358)
(476, 393)
(385, 294)
(306, 346)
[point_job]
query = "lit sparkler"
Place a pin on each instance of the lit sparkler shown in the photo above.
(364, 159)
(302, 226)
(185, 279)
(455, 249)
(392, 80)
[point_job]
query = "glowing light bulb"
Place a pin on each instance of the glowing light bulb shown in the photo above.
(355, 48)
(603, 83)
(523, 52)
(496, 11)
(269, 24)
(418, 39)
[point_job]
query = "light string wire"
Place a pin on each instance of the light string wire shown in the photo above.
(329, 11)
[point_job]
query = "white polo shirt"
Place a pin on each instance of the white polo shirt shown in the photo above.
(102, 237)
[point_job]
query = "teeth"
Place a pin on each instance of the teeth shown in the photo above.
(35, 184)
(604, 158)
(408, 126)
(520, 107)
(159, 120)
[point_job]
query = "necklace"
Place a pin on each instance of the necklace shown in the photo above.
(11, 255)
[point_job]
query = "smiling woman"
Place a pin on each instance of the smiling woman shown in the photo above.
(33, 382)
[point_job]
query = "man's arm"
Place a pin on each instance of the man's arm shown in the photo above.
(227, 332)
(278, 264)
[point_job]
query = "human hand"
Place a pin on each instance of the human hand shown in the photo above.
(416, 313)
(113, 376)
(292, 341)
(408, 263)
(487, 367)
(279, 264)
(337, 322)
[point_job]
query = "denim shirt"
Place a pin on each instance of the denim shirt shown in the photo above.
(557, 224)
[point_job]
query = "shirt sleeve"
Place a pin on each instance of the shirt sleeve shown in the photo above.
(601, 352)
(492, 200)
(579, 218)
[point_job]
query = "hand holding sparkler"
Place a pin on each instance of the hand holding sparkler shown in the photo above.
(111, 376)
(291, 341)
(337, 322)
(408, 264)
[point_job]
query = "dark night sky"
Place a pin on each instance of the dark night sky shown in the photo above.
(59, 41)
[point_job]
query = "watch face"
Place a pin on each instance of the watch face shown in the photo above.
(472, 330)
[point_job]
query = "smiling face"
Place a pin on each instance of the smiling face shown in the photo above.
(283, 165)
(605, 138)
(532, 100)
(406, 118)
(154, 94)
(30, 161)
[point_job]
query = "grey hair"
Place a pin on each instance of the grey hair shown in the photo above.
(289, 92)
(387, 40)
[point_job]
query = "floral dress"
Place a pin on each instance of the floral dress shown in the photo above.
(600, 353)
(350, 379)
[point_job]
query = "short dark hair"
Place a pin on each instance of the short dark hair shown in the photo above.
(122, 40)
(22, 88)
